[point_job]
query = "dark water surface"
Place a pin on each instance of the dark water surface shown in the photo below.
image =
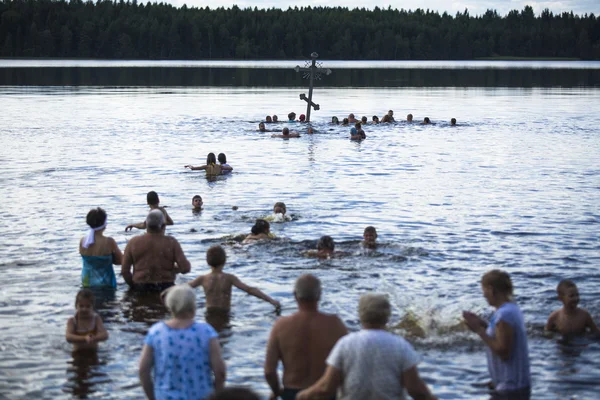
(514, 186)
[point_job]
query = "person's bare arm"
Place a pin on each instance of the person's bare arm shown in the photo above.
(116, 252)
(253, 291)
(226, 167)
(126, 266)
(589, 323)
(551, 323)
(217, 364)
(140, 225)
(502, 343)
(195, 168)
(183, 265)
(415, 386)
(101, 332)
(70, 333)
(271, 360)
(340, 329)
(197, 282)
(168, 220)
(324, 387)
(146, 364)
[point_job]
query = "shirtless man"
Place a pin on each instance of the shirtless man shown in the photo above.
(570, 320)
(153, 203)
(285, 133)
(217, 284)
(156, 259)
(302, 341)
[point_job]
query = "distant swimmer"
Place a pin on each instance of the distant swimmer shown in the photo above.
(85, 329)
(211, 167)
(345, 122)
(426, 121)
(275, 118)
(570, 320)
(453, 122)
(375, 119)
(225, 168)
(261, 127)
(285, 134)
(197, 203)
(279, 208)
(335, 120)
(370, 237)
(217, 285)
(386, 119)
(409, 118)
(302, 118)
(391, 115)
(268, 119)
(153, 202)
(292, 117)
(357, 133)
(260, 231)
(325, 248)
(351, 119)
(364, 120)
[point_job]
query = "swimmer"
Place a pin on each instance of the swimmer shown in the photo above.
(310, 130)
(85, 329)
(275, 119)
(217, 284)
(268, 119)
(345, 122)
(285, 134)
(570, 320)
(426, 121)
(386, 119)
(351, 119)
(453, 122)
(325, 247)
(261, 230)
(409, 118)
(391, 115)
(335, 121)
(261, 127)
(375, 119)
(197, 203)
(211, 167)
(292, 117)
(364, 120)
(370, 237)
(357, 133)
(302, 118)
(153, 202)
(279, 208)
(225, 168)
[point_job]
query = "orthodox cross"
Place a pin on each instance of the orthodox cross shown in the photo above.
(312, 70)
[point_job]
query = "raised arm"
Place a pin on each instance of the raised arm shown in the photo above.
(271, 360)
(217, 364)
(195, 168)
(253, 291)
(140, 225)
(126, 266)
(415, 386)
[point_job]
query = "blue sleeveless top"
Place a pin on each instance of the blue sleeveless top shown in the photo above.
(98, 272)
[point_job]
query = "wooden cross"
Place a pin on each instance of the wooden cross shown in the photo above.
(311, 71)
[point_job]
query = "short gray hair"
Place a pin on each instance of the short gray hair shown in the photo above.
(374, 309)
(308, 288)
(181, 300)
(155, 220)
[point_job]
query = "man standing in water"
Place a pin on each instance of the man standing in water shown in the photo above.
(301, 341)
(156, 258)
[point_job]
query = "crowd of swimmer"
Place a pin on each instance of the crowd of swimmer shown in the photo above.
(181, 358)
(356, 132)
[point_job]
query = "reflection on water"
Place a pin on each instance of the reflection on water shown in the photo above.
(513, 186)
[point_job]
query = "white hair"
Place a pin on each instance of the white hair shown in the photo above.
(155, 220)
(374, 309)
(181, 300)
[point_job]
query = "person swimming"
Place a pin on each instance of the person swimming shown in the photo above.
(426, 121)
(286, 134)
(261, 127)
(335, 120)
(225, 168)
(268, 119)
(453, 122)
(261, 230)
(375, 119)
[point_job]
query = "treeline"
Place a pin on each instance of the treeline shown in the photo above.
(132, 30)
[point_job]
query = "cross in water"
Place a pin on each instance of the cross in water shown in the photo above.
(312, 71)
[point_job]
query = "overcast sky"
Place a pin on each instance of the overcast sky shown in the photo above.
(476, 7)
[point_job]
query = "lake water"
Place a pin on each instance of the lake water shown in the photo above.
(514, 186)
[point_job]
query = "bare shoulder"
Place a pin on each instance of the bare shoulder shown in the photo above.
(554, 314)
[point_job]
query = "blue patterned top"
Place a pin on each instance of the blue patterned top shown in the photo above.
(181, 361)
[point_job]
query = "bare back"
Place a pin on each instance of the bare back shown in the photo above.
(217, 289)
(213, 169)
(103, 246)
(303, 341)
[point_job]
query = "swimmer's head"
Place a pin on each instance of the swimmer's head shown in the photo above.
(152, 198)
(279, 208)
(261, 226)
(302, 117)
(285, 132)
(409, 117)
(426, 120)
(222, 158)
(374, 310)
(375, 119)
(96, 217)
(370, 235)
(345, 121)
(292, 116)
(215, 256)
(268, 119)
(386, 118)
(310, 130)
(307, 288)
(326, 243)
(350, 116)
(364, 119)
(391, 113)
(211, 159)
(568, 293)
(357, 125)
(261, 126)
(496, 282)
(453, 121)
(155, 221)
(335, 120)
(181, 301)
(275, 118)
(197, 201)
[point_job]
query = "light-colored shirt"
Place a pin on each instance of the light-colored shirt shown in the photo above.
(372, 362)
(514, 373)
(181, 361)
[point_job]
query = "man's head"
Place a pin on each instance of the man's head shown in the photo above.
(307, 288)
(275, 118)
(285, 132)
(409, 117)
(197, 201)
(155, 221)
(326, 243)
(292, 116)
(152, 198)
(453, 121)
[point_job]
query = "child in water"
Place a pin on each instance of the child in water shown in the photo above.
(217, 284)
(225, 168)
(260, 230)
(325, 248)
(197, 203)
(85, 329)
(370, 237)
(570, 320)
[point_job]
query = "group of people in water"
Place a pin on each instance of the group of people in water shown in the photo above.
(356, 132)
(181, 358)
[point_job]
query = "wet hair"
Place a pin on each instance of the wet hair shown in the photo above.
(386, 118)
(350, 115)
(222, 158)
(307, 288)
(275, 119)
(335, 120)
(211, 159)
(268, 119)
(155, 220)
(302, 117)
(152, 198)
(374, 309)
(565, 285)
(260, 226)
(426, 120)
(292, 116)
(370, 229)
(215, 256)
(345, 121)
(234, 393)
(285, 131)
(409, 117)
(181, 300)
(390, 111)
(261, 124)
(281, 205)
(85, 294)
(499, 281)
(364, 119)
(357, 125)
(375, 118)
(453, 121)
(96, 217)
(326, 242)
(196, 197)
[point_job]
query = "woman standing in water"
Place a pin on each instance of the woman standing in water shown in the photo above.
(506, 339)
(99, 253)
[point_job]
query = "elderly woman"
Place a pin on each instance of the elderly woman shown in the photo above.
(98, 253)
(371, 363)
(506, 339)
(183, 353)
